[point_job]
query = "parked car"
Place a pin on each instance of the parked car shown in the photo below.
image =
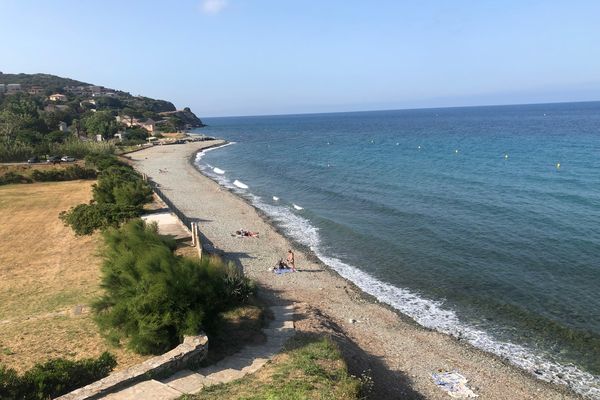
(33, 160)
(53, 160)
(67, 159)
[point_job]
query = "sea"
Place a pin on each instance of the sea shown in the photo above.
(479, 222)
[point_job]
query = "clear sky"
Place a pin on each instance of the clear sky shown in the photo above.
(247, 57)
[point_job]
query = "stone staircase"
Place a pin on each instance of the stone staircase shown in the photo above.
(246, 361)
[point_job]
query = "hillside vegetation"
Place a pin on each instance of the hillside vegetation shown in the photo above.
(44, 115)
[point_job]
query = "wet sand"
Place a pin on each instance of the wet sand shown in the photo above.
(400, 354)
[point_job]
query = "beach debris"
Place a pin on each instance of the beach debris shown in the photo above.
(297, 207)
(453, 383)
(352, 320)
(275, 198)
(218, 171)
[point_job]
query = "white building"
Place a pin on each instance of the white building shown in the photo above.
(57, 97)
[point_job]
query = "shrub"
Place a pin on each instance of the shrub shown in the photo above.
(121, 185)
(54, 378)
(101, 161)
(18, 151)
(153, 297)
(84, 219)
(119, 195)
(70, 173)
(13, 177)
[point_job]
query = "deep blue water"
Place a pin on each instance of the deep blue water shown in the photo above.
(483, 222)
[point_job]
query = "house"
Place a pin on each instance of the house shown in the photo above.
(148, 125)
(62, 126)
(77, 90)
(12, 88)
(104, 94)
(35, 90)
(83, 103)
(57, 97)
(128, 121)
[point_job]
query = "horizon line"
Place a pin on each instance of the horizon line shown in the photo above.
(403, 109)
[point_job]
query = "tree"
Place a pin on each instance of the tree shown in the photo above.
(101, 123)
(19, 112)
(108, 102)
(152, 297)
(136, 133)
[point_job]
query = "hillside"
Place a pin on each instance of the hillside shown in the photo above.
(44, 80)
(38, 110)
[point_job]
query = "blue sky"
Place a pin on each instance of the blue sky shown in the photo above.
(248, 57)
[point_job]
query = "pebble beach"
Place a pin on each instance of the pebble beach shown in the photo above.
(400, 355)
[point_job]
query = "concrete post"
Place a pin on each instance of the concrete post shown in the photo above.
(193, 229)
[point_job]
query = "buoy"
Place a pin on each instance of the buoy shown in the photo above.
(505, 156)
(419, 147)
(275, 198)
(456, 151)
(557, 165)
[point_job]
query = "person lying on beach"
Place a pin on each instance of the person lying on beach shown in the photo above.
(282, 266)
(245, 233)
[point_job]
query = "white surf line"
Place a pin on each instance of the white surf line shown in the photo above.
(240, 184)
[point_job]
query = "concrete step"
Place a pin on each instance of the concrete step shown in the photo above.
(147, 390)
(187, 381)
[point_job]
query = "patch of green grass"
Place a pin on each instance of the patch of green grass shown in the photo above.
(311, 367)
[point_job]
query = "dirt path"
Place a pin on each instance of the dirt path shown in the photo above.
(400, 354)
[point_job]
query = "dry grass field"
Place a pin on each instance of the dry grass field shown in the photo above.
(48, 277)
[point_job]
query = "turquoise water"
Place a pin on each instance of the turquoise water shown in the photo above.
(482, 222)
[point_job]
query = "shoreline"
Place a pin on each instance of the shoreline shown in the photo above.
(405, 348)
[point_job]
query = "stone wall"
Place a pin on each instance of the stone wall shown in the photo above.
(187, 355)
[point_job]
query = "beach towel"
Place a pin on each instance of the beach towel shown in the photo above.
(453, 383)
(282, 271)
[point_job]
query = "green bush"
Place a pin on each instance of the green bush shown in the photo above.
(154, 297)
(18, 151)
(70, 173)
(101, 161)
(118, 196)
(123, 186)
(53, 378)
(84, 219)
(13, 177)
